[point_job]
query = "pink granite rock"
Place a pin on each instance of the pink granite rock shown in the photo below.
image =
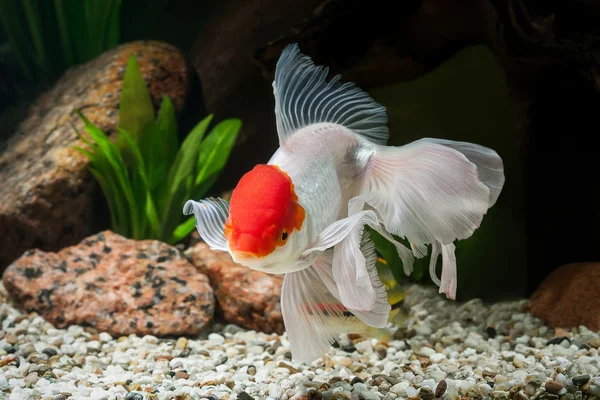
(114, 284)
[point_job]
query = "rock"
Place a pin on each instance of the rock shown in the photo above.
(248, 298)
(581, 380)
(440, 388)
(569, 297)
(47, 191)
(553, 387)
(116, 285)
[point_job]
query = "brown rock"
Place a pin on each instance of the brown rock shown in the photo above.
(114, 284)
(569, 297)
(46, 192)
(553, 387)
(247, 297)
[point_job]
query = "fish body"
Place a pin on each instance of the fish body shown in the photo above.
(303, 213)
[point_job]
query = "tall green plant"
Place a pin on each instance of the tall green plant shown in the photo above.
(147, 176)
(47, 37)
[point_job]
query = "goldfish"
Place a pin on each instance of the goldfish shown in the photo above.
(303, 213)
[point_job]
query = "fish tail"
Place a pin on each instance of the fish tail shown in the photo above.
(432, 191)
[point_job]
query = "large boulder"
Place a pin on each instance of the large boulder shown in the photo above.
(46, 196)
(114, 284)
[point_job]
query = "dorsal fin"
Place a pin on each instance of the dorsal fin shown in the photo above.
(304, 97)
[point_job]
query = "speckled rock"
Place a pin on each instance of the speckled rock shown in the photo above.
(114, 284)
(247, 298)
(46, 192)
(569, 297)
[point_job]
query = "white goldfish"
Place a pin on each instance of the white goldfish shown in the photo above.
(303, 213)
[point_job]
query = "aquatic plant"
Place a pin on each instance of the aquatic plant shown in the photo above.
(146, 176)
(47, 37)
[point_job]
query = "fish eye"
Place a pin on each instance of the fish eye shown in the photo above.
(283, 236)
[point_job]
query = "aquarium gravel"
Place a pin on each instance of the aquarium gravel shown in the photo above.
(445, 350)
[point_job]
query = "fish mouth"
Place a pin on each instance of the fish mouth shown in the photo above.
(245, 255)
(249, 246)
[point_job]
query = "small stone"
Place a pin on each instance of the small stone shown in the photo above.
(251, 370)
(426, 393)
(440, 388)
(553, 387)
(288, 367)
(134, 396)
(216, 338)
(349, 348)
(11, 338)
(381, 351)
(500, 395)
(49, 352)
(474, 393)
(314, 395)
(181, 375)
(581, 380)
(410, 392)
(520, 395)
(181, 343)
(244, 396)
(7, 360)
(356, 380)
(60, 397)
(426, 351)
(105, 337)
(11, 349)
(221, 360)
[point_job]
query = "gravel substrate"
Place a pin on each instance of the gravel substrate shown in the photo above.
(446, 350)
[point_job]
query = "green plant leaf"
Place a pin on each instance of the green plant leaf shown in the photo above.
(73, 30)
(167, 121)
(20, 39)
(214, 154)
(113, 167)
(135, 108)
(153, 153)
(113, 27)
(64, 17)
(184, 229)
(139, 184)
(34, 21)
(181, 178)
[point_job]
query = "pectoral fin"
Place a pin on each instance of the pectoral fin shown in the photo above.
(211, 215)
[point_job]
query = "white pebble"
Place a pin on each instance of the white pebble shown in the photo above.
(427, 351)
(275, 390)
(410, 392)
(216, 338)
(485, 389)
(105, 337)
(94, 345)
(399, 388)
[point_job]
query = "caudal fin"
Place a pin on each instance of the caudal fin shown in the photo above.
(433, 191)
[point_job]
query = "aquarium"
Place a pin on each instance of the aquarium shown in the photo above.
(315, 200)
